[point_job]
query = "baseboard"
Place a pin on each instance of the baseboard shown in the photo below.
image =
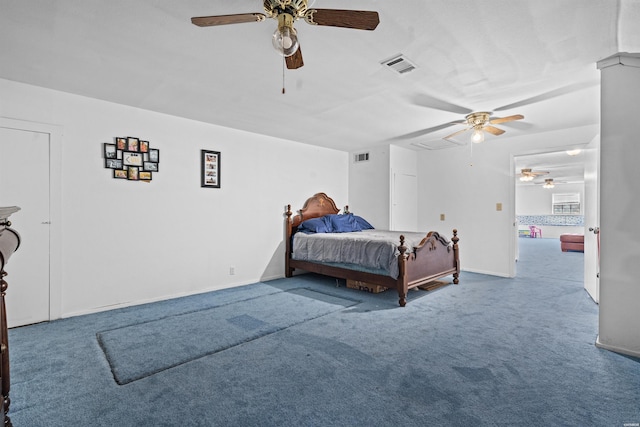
(157, 299)
(488, 273)
(615, 349)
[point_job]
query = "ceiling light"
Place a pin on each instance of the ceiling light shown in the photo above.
(548, 183)
(574, 152)
(285, 39)
(477, 136)
(526, 178)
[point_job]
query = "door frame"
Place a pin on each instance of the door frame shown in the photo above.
(592, 220)
(55, 205)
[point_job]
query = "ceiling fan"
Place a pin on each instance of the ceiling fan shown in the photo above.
(481, 122)
(550, 183)
(527, 174)
(286, 12)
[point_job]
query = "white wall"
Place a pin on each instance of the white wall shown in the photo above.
(466, 188)
(130, 242)
(536, 200)
(619, 205)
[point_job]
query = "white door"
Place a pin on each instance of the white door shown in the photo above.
(592, 219)
(404, 214)
(24, 182)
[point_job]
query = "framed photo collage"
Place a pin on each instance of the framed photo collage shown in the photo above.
(131, 158)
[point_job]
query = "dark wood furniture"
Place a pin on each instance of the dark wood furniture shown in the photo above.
(572, 242)
(9, 242)
(434, 258)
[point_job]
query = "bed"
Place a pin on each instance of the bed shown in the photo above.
(392, 259)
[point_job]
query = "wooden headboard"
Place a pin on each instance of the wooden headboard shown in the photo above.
(316, 206)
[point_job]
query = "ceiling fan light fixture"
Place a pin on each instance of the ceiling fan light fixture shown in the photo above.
(285, 38)
(477, 136)
(548, 183)
(526, 178)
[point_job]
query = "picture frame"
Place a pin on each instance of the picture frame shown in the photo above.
(121, 143)
(110, 151)
(150, 166)
(133, 173)
(113, 163)
(133, 144)
(210, 169)
(130, 158)
(154, 155)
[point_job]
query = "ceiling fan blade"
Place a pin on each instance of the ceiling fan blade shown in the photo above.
(493, 130)
(506, 119)
(357, 19)
(209, 21)
(456, 133)
(428, 101)
(428, 130)
(551, 94)
(295, 61)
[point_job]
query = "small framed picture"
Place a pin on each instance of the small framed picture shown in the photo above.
(120, 173)
(110, 151)
(144, 175)
(133, 144)
(121, 143)
(210, 169)
(113, 163)
(130, 158)
(154, 155)
(144, 146)
(133, 173)
(150, 166)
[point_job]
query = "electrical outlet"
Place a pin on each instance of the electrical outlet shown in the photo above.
(441, 217)
(232, 271)
(498, 206)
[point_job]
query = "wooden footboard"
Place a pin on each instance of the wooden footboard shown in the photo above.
(435, 257)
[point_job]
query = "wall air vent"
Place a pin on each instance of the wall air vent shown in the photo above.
(360, 157)
(399, 63)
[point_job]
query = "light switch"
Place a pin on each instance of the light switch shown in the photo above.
(498, 206)
(441, 217)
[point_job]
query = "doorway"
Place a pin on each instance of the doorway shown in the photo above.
(551, 199)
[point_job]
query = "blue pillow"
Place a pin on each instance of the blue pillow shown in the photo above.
(315, 225)
(343, 223)
(364, 225)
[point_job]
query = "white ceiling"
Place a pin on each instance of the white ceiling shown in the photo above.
(559, 165)
(536, 58)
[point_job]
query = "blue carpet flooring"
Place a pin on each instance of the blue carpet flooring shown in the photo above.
(488, 352)
(146, 348)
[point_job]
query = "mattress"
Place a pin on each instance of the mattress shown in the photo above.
(367, 250)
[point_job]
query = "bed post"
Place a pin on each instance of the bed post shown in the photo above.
(403, 286)
(456, 256)
(288, 271)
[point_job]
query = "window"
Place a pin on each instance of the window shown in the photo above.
(565, 204)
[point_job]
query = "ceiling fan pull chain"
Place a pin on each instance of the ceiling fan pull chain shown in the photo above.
(283, 64)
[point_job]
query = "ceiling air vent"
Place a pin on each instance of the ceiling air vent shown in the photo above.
(360, 157)
(399, 64)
